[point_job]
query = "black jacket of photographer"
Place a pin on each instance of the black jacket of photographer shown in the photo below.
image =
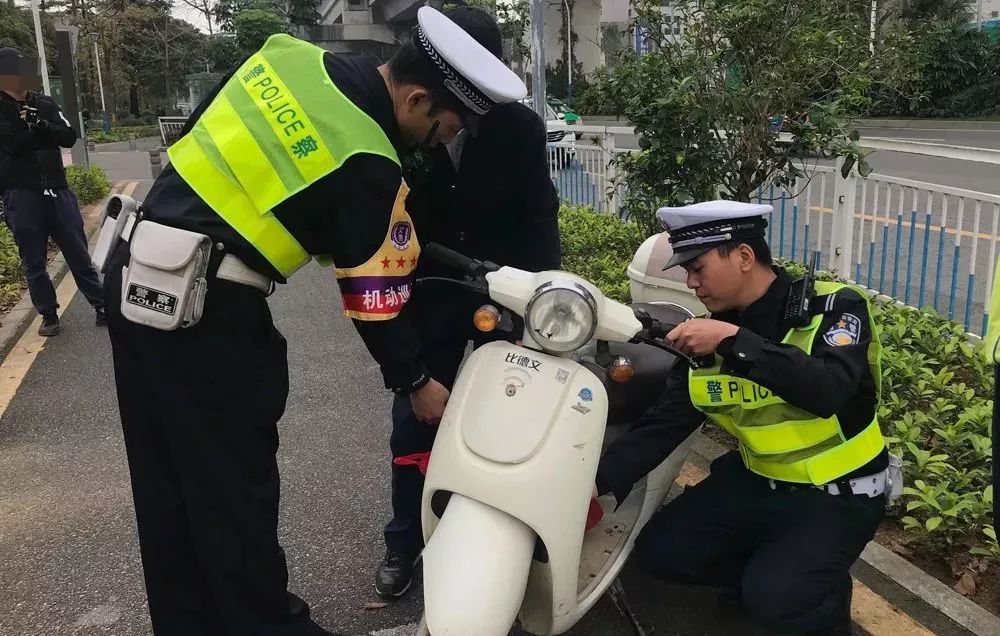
(30, 156)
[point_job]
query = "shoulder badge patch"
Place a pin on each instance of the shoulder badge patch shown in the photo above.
(846, 331)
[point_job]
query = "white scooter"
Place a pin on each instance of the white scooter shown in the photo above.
(511, 474)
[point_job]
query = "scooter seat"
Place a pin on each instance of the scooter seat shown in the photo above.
(627, 401)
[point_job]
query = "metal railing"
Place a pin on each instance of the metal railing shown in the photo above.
(924, 244)
(170, 128)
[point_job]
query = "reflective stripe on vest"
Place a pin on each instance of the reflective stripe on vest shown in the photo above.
(991, 350)
(277, 126)
(782, 441)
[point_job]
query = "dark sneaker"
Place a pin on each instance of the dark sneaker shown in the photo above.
(394, 575)
(49, 327)
(102, 318)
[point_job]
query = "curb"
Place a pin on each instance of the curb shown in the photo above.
(15, 322)
(927, 589)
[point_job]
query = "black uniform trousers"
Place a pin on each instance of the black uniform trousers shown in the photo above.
(199, 410)
(33, 217)
(409, 435)
(788, 550)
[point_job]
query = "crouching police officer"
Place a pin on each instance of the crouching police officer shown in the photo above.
(487, 195)
(777, 524)
(297, 154)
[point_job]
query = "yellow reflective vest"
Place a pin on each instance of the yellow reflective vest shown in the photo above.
(781, 441)
(990, 349)
(277, 126)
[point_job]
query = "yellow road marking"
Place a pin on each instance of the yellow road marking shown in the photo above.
(869, 610)
(18, 362)
(919, 226)
(880, 618)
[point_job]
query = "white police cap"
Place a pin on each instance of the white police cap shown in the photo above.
(477, 78)
(695, 229)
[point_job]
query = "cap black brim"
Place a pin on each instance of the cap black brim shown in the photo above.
(679, 258)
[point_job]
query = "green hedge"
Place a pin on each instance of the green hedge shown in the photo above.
(90, 186)
(936, 410)
(122, 134)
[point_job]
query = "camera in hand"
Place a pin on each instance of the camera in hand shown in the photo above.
(30, 116)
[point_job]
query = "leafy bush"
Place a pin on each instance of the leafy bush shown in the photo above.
(599, 248)
(937, 398)
(90, 186)
(12, 282)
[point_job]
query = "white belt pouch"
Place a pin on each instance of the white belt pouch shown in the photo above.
(164, 284)
(116, 213)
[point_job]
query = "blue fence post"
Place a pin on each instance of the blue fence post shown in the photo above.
(924, 258)
(909, 252)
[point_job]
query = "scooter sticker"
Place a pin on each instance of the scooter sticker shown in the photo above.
(524, 361)
(579, 408)
(586, 395)
(562, 375)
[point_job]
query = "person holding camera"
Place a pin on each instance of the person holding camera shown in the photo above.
(37, 201)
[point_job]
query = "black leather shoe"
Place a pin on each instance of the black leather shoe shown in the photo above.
(101, 320)
(394, 575)
(49, 326)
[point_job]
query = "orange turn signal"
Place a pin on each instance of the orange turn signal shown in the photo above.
(621, 369)
(486, 318)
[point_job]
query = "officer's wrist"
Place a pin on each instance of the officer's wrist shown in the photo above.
(414, 385)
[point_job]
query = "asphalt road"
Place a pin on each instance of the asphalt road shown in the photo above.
(69, 554)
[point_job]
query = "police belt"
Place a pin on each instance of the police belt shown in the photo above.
(231, 268)
(869, 485)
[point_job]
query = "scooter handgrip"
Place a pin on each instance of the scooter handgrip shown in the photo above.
(449, 257)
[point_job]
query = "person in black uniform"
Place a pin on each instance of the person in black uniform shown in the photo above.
(37, 201)
(778, 524)
(488, 196)
(200, 405)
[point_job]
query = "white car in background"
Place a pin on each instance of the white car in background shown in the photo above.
(558, 131)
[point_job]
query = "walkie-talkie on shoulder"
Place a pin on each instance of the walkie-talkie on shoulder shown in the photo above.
(800, 294)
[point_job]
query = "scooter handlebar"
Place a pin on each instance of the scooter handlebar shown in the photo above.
(450, 258)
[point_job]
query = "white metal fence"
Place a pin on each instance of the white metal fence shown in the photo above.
(925, 244)
(170, 128)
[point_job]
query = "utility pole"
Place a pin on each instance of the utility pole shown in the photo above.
(979, 15)
(538, 58)
(106, 122)
(569, 52)
(871, 33)
(40, 43)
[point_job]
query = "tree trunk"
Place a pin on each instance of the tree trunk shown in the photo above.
(133, 100)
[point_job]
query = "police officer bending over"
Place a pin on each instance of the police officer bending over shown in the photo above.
(489, 196)
(778, 523)
(295, 155)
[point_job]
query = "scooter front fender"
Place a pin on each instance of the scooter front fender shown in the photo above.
(475, 570)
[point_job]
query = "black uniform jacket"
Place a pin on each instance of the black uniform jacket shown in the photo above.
(833, 380)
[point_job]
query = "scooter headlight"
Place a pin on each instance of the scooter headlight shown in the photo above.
(561, 316)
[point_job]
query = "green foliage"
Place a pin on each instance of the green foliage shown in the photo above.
(599, 248)
(596, 99)
(938, 66)
(937, 397)
(90, 185)
(223, 53)
(254, 26)
(121, 133)
(12, 282)
(702, 101)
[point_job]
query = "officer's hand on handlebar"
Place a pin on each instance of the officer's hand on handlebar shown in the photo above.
(428, 402)
(700, 336)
